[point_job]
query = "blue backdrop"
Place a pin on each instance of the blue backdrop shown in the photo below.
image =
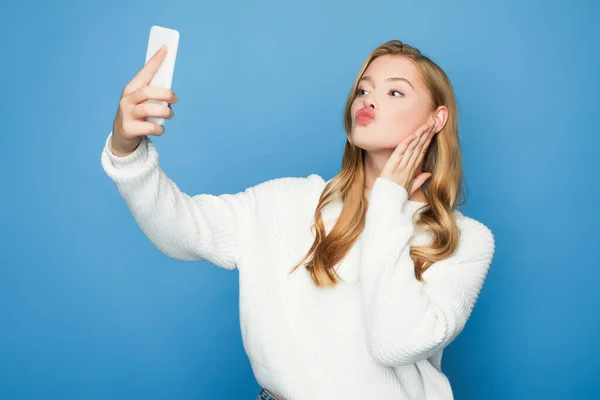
(90, 309)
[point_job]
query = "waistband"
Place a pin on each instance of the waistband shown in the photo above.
(264, 394)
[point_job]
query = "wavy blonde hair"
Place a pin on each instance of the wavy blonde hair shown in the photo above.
(443, 189)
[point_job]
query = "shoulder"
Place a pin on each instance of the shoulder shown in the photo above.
(287, 184)
(476, 239)
(472, 259)
(284, 190)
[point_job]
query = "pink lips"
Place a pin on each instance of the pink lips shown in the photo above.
(364, 116)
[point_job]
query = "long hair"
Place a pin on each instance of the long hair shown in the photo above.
(443, 189)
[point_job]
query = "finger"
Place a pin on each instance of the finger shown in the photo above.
(142, 127)
(425, 146)
(155, 129)
(423, 128)
(151, 92)
(419, 148)
(145, 74)
(424, 132)
(407, 155)
(150, 128)
(398, 153)
(144, 110)
(419, 181)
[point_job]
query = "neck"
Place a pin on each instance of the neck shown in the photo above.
(373, 166)
(418, 196)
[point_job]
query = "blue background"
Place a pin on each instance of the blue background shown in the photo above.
(90, 309)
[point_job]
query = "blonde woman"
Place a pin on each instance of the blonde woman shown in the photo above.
(350, 288)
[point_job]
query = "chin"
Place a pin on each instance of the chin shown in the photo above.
(366, 138)
(365, 142)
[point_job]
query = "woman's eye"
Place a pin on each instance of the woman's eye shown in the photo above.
(362, 92)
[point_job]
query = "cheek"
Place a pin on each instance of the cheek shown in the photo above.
(406, 123)
(353, 109)
(399, 123)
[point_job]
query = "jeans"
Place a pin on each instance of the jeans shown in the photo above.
(264, 394)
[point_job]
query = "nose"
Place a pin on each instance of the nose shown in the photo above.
(368, 101)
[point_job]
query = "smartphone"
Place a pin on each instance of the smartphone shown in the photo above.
(159, 35)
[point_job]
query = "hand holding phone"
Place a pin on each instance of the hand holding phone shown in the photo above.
(134, 117)
(161, 36)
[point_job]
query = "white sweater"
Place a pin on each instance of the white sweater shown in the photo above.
(377, 335)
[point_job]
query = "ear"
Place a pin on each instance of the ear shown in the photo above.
(441, 116)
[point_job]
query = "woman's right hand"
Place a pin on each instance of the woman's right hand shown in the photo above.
(407, 158)
(130, 122)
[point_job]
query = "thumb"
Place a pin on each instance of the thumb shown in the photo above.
(420, 180)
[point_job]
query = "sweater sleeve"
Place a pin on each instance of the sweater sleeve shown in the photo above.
(408, 320)
(183, 227)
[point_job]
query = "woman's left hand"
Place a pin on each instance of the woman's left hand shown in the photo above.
(407, 157)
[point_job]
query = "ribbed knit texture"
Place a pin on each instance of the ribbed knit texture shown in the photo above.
(379, 334)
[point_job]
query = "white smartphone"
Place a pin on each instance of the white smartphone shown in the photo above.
(163, 77)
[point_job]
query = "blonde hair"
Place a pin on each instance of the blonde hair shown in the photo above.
(442, 190)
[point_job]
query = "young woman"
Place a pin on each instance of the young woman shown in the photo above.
(349, 288)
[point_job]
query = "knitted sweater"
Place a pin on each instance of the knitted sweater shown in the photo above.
(379, 334)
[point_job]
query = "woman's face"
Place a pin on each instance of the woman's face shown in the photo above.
(391, 89)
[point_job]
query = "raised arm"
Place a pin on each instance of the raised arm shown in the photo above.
(408, 320)
(202, 227)
(183, 227)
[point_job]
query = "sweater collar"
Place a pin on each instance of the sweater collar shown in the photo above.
(410, 207)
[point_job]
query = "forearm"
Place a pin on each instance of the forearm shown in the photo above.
(202, 227)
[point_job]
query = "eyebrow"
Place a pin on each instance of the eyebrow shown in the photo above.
(391, 79)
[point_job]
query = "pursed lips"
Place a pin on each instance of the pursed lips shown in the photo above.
(365, 115)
